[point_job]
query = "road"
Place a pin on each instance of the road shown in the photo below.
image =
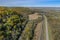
(39, 30)
(46, 25)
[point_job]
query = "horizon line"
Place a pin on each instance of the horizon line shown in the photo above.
(27, 6)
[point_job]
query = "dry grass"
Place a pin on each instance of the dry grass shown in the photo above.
(37, 31)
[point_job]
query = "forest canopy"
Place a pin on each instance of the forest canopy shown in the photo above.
(11, 24)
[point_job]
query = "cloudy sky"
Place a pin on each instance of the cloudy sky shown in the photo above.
(31, 3)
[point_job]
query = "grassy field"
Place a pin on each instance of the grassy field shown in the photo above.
(54, 27)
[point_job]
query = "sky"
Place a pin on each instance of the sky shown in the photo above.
(30, 3)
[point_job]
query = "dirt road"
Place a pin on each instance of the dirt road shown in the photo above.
(46, 25)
